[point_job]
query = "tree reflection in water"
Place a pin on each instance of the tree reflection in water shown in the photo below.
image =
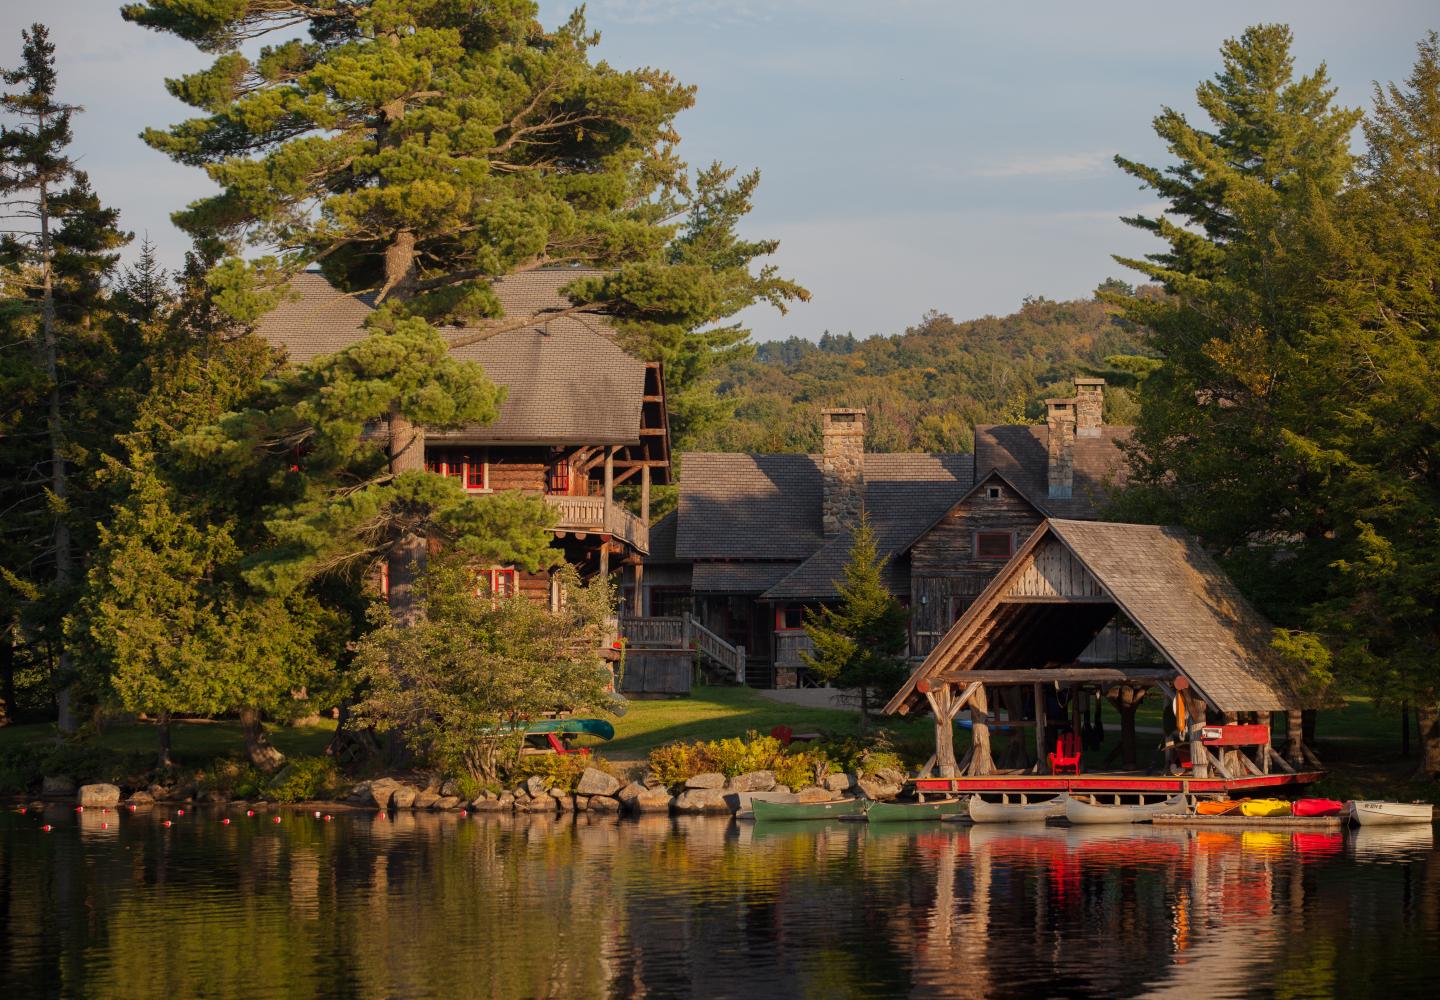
(429, 905)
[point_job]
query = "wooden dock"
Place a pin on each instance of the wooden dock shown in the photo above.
(1255, 822)
(1121, 784)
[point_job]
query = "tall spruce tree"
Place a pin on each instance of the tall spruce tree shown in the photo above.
(58, 256)
(859, 642)
(1238, 268)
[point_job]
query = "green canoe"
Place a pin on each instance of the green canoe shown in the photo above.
(776, 811)
(910, 812)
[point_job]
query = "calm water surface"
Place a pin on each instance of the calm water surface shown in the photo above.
(444, 906)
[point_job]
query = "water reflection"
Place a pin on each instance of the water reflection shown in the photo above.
(429, 905)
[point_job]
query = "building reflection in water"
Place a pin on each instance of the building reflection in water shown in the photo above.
(422, 905)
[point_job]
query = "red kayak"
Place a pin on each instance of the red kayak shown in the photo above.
(1316, 807)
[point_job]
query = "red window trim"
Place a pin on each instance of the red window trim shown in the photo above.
(511, 581)
(1009, 544)
(557, 479)
(462, 465)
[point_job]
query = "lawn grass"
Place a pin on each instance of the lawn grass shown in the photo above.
(194, 743)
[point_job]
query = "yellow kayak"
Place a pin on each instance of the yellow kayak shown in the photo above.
(1265, 807)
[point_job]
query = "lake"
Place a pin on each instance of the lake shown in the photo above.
(446, 906)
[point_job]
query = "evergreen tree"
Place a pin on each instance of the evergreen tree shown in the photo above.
(58, 257)
(860, 642)
(1238, 270)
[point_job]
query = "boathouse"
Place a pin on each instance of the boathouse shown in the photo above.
(1011, 666)
(580, 418)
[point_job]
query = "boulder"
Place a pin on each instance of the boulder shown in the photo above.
(708, 780)
(216, 797)
(141, 799)
(558, 794)
(751, 781)
(486, 805)
(815, 794)
(450, 788)
(360, 793)
(425, 799)
(605, 804)
(582, 803)
(98, 796)
(506, 800)
(701, 800)
(535, 786)
(631, 792)
(446, 802)
(158, 792)
(876, 790)
(566, 802)
(839, 782)
(57, 786)
(382, 790)
(781, 788)
(637, 798)
(403, 797)
(596, 782)
(541, 804)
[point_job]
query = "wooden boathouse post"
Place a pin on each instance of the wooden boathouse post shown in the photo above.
(980, 760)
(1040, 722)
(940, 702)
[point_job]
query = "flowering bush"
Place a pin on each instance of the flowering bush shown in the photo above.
(674, 763)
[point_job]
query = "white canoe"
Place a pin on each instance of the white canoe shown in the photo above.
(1015, 812)
(1080, 813)
(1375, 813)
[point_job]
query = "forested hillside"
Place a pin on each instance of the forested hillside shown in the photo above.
(926, 387)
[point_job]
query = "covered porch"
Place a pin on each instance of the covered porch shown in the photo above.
(1009, 670)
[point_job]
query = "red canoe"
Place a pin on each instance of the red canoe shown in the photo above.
(1316, 807)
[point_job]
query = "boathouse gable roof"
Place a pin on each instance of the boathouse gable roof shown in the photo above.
(1071, 577)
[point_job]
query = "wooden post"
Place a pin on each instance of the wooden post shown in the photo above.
(609, 484)
(645, 493)
(1199, 757)
(604, 559)
(1040, 729)
(740, 664)
(639, 587)
(1294, 738)
(940, 703)
(980, 760)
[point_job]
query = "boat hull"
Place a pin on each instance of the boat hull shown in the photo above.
(1391, 813)
(913, 812)
(1015, 812)
(777, 812)
(1079, 813)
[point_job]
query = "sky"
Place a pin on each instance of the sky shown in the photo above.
(915, 154)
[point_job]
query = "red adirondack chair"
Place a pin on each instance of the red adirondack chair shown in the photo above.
(1066, 755)
(559, 747)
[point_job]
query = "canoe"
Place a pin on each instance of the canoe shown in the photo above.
(1265, 807)
(1317, 807)
(789, 811)
(1375, 813)
(1015, 812)
(1079, 812)
(909, 812)
(560, 727)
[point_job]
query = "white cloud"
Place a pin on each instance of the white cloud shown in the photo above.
(1077, 164)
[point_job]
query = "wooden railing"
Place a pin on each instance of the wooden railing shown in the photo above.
(789, 644)
(658, 633)
(715, 648)
(589, 514)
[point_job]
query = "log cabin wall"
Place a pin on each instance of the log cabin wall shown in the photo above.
(518, 468)
(947, 573)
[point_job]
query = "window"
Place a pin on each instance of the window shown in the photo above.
(501, 582)
(993, 492)
(470, 467)
(993, 545)
(668, 602)
(559, 479)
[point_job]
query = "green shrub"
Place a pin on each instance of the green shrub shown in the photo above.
(796, 766)
(22, 767)
(304, 778)
(234, 779)
(560, 771)
(673, 763)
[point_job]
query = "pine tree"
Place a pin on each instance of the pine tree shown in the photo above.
(58, 258)
(860, 642)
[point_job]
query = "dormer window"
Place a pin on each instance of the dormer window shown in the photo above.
(993, 492)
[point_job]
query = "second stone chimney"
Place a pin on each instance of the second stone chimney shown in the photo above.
(1089, 406)
(1060, 450)
(842, 469)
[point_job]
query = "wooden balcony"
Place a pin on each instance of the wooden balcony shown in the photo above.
(589, 515)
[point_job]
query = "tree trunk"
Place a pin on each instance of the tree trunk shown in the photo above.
(163, 761)
(1404, 729)
(257, 748)
(7, 680)
(1428, 718)
(1127, 702)
(406, 445)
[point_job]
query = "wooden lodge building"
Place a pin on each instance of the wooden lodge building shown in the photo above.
(757, 538)
(580, 417)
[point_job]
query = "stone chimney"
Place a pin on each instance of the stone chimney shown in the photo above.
(1089, 406)
(842, 469)
(1060, 448)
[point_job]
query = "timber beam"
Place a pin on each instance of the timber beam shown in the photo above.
(1043, 675)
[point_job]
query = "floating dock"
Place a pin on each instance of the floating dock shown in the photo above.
(1255, 822)
(1119, 784)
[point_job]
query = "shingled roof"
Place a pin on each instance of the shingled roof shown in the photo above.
(568, 381)
(1019, 452)
(904, 495)
(743, 506)
(1163, 581)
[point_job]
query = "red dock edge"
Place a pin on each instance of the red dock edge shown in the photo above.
(1120, 783)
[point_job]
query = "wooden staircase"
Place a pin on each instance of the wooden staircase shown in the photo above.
(721, 661)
